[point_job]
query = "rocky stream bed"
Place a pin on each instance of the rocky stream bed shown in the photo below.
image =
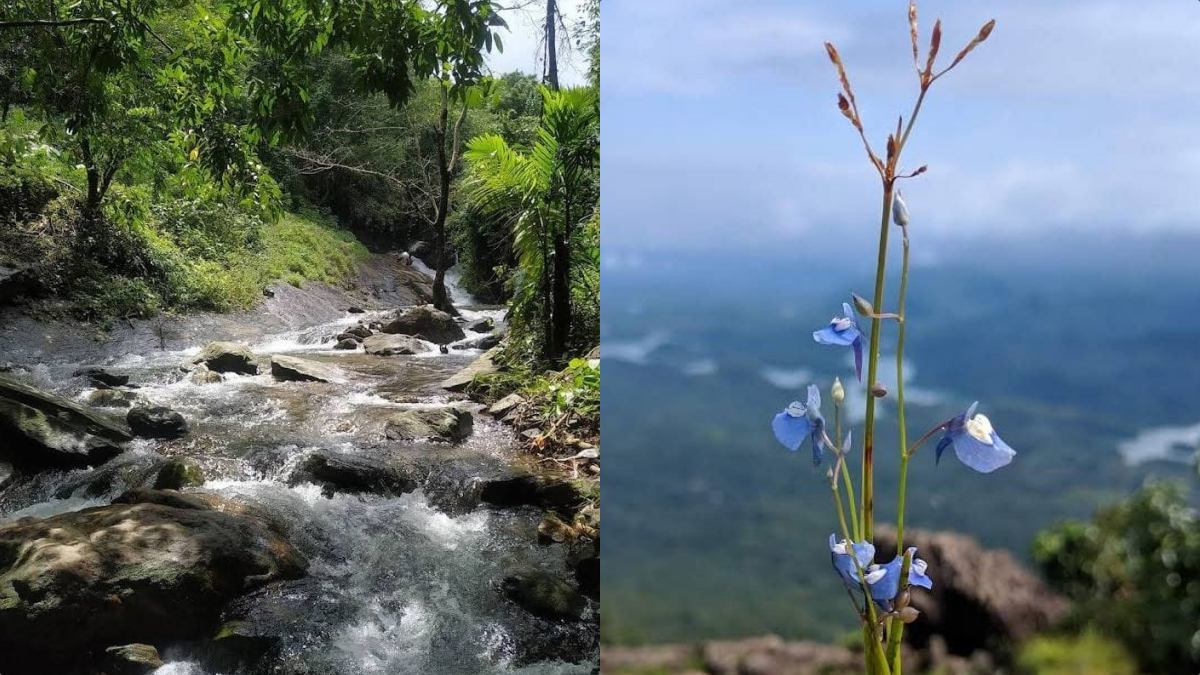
(303, 496)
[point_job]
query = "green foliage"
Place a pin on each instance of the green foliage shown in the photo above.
(1087, 654)
(1135, 573)
(572, 393)
(542, 195)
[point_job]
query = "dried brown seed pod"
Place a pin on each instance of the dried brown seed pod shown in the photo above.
(909, 614)
(878, 390)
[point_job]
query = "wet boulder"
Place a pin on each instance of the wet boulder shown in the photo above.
(156, 422)
(427, 323)
(125, 472)
(80, 582)
(102, 377)
(339, 472)
(227, 357)
(526, 489)
(202, 375)
(112, 398)
(359, 331)
(483, 342)
(348, 336)
(178, 473)
(440, 423)
(41, 430)
(484, 325)
(544, 595)
(394, 345)
(292, 369)
(347, 344)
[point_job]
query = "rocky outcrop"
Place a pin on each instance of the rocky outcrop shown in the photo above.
(41, 430)
(426, 323)
(544, 595)
(293, 369)
(981, 599)
(484, 365)
(439, 423)
(227, 357)
(338, 472)
(394, 345)
(347, 343)
(79, 582)
(156, 422)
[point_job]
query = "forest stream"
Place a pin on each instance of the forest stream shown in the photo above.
(398, 580)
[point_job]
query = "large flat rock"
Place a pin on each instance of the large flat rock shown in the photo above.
(484, 365)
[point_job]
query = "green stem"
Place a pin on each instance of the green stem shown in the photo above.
(868, 469)
(846, 482)
(896, 627)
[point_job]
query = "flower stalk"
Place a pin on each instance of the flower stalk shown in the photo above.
(884, 588)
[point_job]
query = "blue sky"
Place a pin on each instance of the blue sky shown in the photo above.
(721, 130)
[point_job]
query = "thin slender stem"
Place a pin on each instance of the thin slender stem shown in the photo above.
(896, 626)
(846, 481)
(868, 468)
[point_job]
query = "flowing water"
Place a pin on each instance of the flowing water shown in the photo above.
(395, 585)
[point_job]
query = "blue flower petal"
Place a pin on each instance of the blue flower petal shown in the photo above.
(981, 456)
(941, 447)
(829, 336)
(917, 579)
(790, 431)
(885, 588)
(865, 552)
(813, 402)
(844, 564)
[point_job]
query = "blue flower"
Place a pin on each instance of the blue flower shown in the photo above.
(800, 421)
(843, 331)
(975, 442)
(884, 580)
(844, 562)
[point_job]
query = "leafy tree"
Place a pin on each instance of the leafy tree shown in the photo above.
(545, 194)
(1135, 573)
(392, 45)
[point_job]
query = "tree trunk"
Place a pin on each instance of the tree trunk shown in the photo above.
(562, 296)
(441, 299)
(551, 44)
(95, 192)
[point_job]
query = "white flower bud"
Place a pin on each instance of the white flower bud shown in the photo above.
(899, 211)
(839, 392)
